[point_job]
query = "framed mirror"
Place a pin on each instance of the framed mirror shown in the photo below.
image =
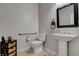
(67, 16)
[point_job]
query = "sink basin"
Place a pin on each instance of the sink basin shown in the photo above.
(65, 37)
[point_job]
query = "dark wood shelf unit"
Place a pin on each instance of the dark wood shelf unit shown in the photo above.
(9, 48)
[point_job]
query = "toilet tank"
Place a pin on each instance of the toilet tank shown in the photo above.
(42, 37)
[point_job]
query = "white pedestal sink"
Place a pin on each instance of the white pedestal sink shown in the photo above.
(63, 42)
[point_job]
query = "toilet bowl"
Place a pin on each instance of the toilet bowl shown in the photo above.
(37, 46)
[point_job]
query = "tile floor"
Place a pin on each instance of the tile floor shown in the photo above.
(31, 53)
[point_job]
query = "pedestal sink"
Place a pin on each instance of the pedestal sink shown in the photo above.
(65, 37)
(63, 42)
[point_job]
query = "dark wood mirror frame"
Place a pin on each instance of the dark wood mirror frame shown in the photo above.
(75, 16)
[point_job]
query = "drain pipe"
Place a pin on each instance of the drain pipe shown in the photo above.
(45, 40)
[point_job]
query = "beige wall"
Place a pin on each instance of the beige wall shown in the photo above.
(48, 11)
(18, 18)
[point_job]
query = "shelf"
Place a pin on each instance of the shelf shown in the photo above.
(11, 46)
(12, 52)
(10, 49)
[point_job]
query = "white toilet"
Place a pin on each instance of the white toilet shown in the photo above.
(37, 45)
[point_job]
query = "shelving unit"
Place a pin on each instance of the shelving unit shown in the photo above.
(9, 48)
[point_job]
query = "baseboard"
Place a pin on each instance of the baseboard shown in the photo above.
(23, 49)
(52, 53)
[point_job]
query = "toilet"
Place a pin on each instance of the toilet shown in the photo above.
(37, 45)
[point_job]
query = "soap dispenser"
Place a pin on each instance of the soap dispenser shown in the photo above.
(3, 39)
(9, 39)
(3, 45)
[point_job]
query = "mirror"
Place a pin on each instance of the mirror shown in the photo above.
(67, 16)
